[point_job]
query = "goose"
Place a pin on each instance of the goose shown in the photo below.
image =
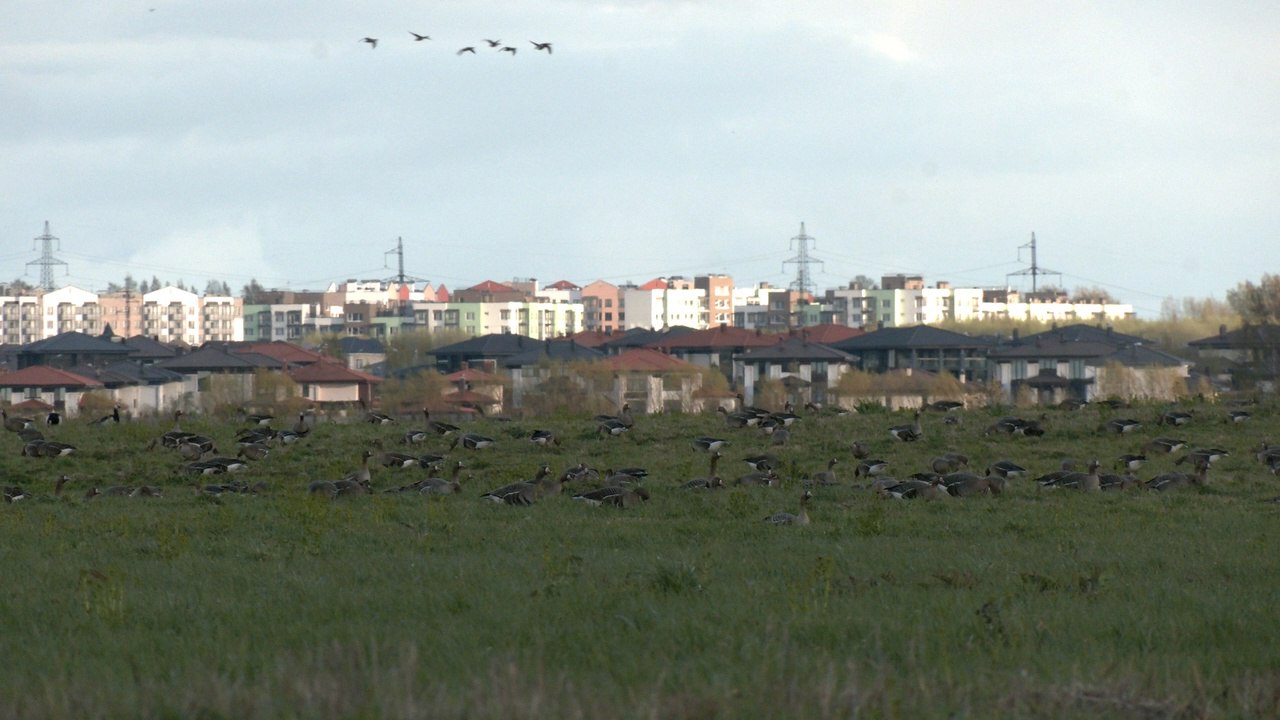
(706, 443)
(871, 468)
(228, 464)
(780, 436)
(518, 493)
(750, 409)
(288, 437)
(1174, 417)
(467, 49)
(738, 419)
(625, 474)
(441, 486)
(413, 437)
(786, 518)
(860, 450)
(147, 491)
(828, 476)
(362, 476)
(493, 43)
(612, 428)
(262, 435)
(620, 497)
(1164, 445)
(1117, 482)
(13, 423)
(254, 451)
(1121, 426)
(787, 417)
(439, 427)
(202, 468)
(948, 463)
(118, 491)
(301, 427)
(397, 460)
(419, 38)
(916, 490)
(543, 438)
(1088, 481)
(323, 487)
(53, 418)
(1006, 469)
(907, 433)
(541, 46)
(1130, 462)
(767, 478)
(1175, 480)
(472, 441)
(30, 435)
(1207, 456)
(172, 438)
(13, 493)
(377, 418)
(712, 480)
(262, 420)
(1008, 425)
(52, 448)
(1238, 416)
(945, 405)
(623, 417)
(969, 484)
(509, 49)
(763, 462)
(349, 486)
(191, 451)
(1051, 479)
(1032, 428)
(373, 42)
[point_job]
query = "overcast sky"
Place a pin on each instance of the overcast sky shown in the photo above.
(236, 139)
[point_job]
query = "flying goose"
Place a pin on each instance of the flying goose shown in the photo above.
(509, 49)
(907, 433)
(786, 518)
(373, 42)
(419, 38)
(467, 49)
(541, 46)
(493, 43)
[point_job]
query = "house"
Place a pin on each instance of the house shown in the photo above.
(484, 352)
(61, 389)
(542, 361)
(72, 348)
(651, 381)
(332, 382)
(362, 352)
(1085, 362)
(1250, 354)
(715, 347)
(140, 388)
(919, 347)
(215, 376)
(808, 370)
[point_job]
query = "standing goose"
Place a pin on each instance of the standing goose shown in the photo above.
(301, 427)
(738, 419)
(786, 518)
(907, 433)
(438, 427)
(441, 486)
(520, 493)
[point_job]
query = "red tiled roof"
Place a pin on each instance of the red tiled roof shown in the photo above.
(442, 294)
(283, 351)
(33, 404)
(828, 333)
(492, 287)
(473, 375)
(45, 376)
(648, 360)
(330, 372)
(563, 285)
(655, 284)
(719, 338)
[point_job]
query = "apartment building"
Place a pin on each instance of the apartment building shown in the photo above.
(657, 304)
(718, 291)
(602, 307)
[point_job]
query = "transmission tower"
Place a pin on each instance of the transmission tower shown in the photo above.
(47, 261)
(1035, 270)
(803, 282)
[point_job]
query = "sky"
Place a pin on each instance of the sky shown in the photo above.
(240, 139)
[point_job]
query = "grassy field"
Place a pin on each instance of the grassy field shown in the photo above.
(1034, 603)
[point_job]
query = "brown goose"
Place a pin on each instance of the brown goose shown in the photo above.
(907, 433)
(712, 480)
(786, 518)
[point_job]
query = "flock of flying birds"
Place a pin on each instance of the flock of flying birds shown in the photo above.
(493, 45)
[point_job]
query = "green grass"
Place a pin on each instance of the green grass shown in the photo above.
(1031, 604)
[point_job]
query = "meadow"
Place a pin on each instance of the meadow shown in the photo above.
(1032, 603)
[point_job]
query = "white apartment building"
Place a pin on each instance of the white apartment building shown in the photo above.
(70, 309)
(221, 318)
(664, 307)
(171, 315)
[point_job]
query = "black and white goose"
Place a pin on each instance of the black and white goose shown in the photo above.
(543, 438)
(472, 441)
(1007, 469)
(706, 443)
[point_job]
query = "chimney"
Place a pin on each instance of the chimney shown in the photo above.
(1014, 336)
(1222, 331)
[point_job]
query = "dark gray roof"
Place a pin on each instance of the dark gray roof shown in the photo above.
(68, 343)
(1141, 356)
(492, 345)
(127, 372)
(914, 336)
(1080, 332)
(643, 337)
(351, 344)
(217, 359)
(556, 350)
(1250, 336)
(794, 349)
(145, 348)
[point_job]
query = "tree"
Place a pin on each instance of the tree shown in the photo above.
(1257, 304)
(252, 292)
(216, 287)
(1092, 295)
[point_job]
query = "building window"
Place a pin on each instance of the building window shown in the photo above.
(1019, 369)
